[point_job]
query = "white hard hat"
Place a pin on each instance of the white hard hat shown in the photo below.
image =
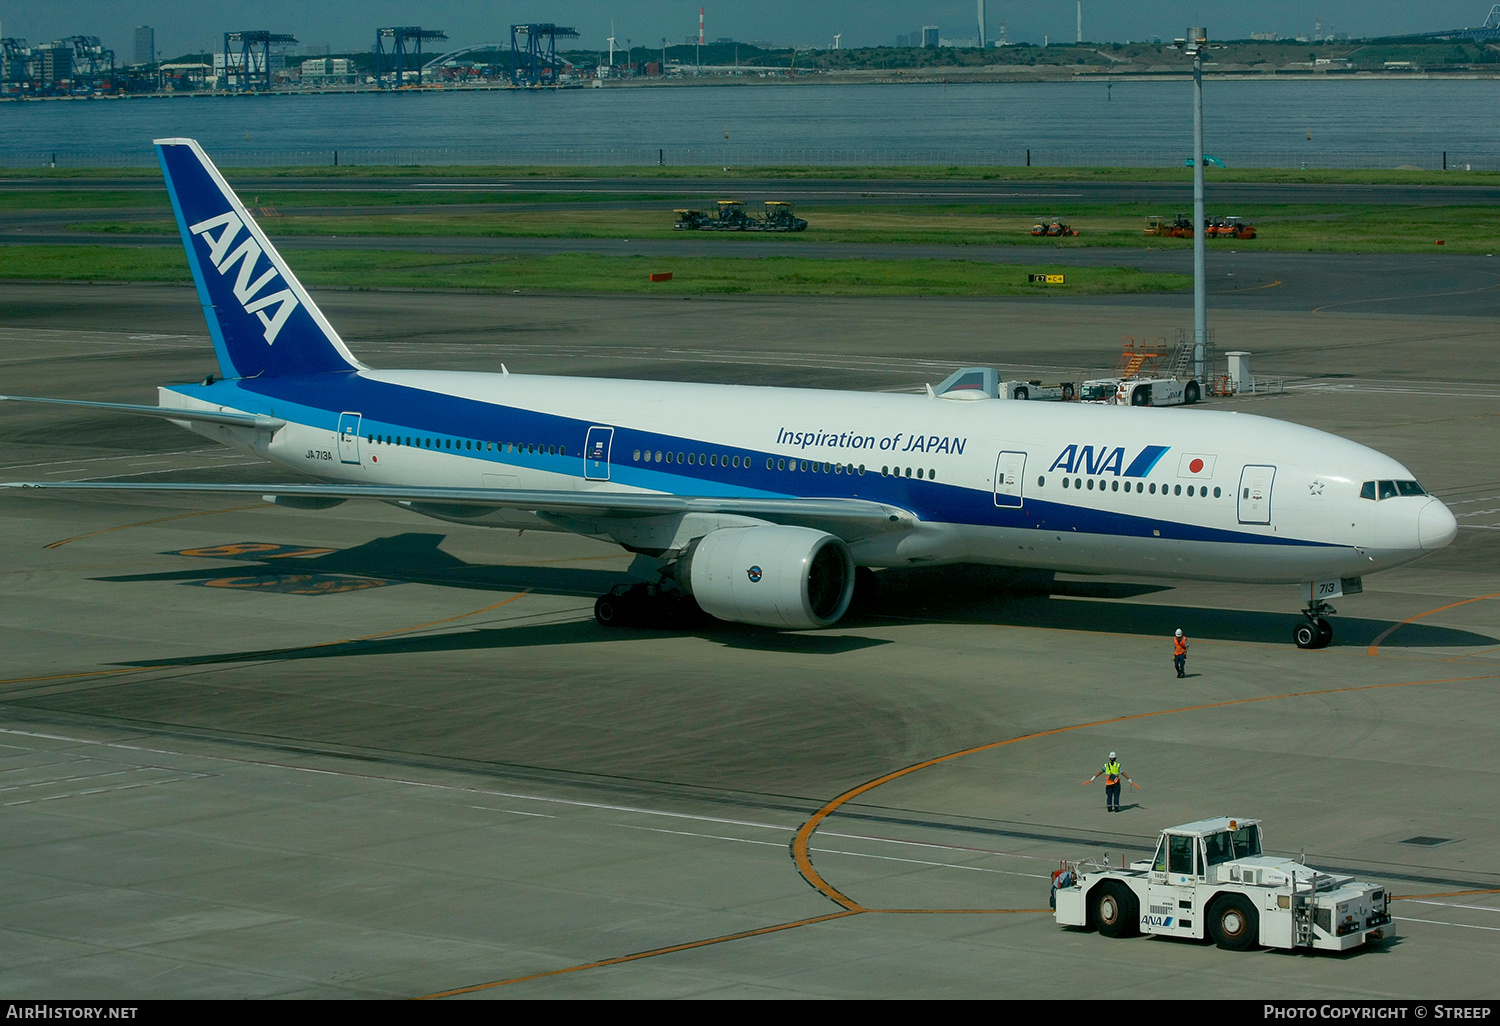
(1111, 755)
(1179, 632)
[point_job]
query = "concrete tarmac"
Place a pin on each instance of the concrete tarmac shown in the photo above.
(248, 751)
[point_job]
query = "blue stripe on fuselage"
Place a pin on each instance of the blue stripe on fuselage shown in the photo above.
(392, 409)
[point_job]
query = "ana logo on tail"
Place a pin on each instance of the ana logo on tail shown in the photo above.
(247, 255)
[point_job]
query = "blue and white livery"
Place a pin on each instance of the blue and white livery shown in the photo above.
(762, 504)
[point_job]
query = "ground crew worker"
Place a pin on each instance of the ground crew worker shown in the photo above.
(1112, 774)
(1179, 653)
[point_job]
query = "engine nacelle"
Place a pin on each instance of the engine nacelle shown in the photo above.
(773, 576)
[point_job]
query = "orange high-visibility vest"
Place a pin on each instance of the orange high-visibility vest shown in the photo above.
(1179, 646)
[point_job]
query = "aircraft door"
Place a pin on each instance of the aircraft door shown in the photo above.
(349, 437)
(1010, 471)
(1254, 499)
(596, 447)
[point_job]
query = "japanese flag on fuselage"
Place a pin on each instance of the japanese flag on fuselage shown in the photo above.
(1195, 464)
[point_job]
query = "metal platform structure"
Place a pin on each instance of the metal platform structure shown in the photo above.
(453, 55)
(405, 40)
(1489, 32)
(536, 62)
(245, 69)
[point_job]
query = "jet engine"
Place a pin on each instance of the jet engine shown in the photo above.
(774, 576)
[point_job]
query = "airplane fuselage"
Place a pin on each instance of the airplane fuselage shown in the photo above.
(1084, 489)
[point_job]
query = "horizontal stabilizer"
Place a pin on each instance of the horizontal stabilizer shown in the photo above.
(249, 420)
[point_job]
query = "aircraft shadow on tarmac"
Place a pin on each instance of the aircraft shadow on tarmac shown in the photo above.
(1028, 599)
(957, 595)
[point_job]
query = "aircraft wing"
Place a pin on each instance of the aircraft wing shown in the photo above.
(849, 518)
(250, 420)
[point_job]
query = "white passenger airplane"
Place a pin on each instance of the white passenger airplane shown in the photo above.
(761, 503)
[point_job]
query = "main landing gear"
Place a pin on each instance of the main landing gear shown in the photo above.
(1314, 631)
(646, 605)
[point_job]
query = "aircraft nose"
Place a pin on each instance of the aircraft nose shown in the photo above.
(1436, 526)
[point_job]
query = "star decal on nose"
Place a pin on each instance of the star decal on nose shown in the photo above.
(1316, 488)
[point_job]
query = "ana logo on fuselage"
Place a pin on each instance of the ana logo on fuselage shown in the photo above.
(1105, 459)
(246, 255)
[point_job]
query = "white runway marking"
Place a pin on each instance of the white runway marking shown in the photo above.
(781, 828)
(1436, 922)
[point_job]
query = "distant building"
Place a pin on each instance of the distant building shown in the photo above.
(1263, 37)
(929, 35)
(145, 44)
(328, 71)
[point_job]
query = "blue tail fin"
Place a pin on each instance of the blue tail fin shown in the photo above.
(261, 319)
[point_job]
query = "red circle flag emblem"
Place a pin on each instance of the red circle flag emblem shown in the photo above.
(1196, 466)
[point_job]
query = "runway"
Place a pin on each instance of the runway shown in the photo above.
(247, 751)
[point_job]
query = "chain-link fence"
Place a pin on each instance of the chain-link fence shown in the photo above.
(719, 156)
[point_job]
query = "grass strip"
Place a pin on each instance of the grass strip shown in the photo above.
(292, 199)
(1286, 227)
(789, 275)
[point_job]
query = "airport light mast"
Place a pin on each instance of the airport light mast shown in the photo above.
(1197, 39)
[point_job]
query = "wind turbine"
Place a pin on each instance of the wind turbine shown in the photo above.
(611, 42)
(836, 37)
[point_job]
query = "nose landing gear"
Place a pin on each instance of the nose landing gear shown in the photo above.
(1314, 631)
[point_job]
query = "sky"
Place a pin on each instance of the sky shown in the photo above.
(184, 26)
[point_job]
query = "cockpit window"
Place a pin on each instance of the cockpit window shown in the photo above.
(1389, 489)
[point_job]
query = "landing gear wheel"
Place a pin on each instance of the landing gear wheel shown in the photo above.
(866, 588)
(1233, 923)
(1314, 632)
(1115, 910)
(607, 611)
(1191, 393)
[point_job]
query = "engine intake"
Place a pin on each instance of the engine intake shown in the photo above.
(774, 576)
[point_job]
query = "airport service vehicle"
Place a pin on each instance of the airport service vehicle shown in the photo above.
(1059, 391)
(731, 216)
(760, 504)
(1100, 390)
(969, 383)
(1052, 229)
(1158, 392)
(1230, 228)
(1212, 878)
(1179, 227)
